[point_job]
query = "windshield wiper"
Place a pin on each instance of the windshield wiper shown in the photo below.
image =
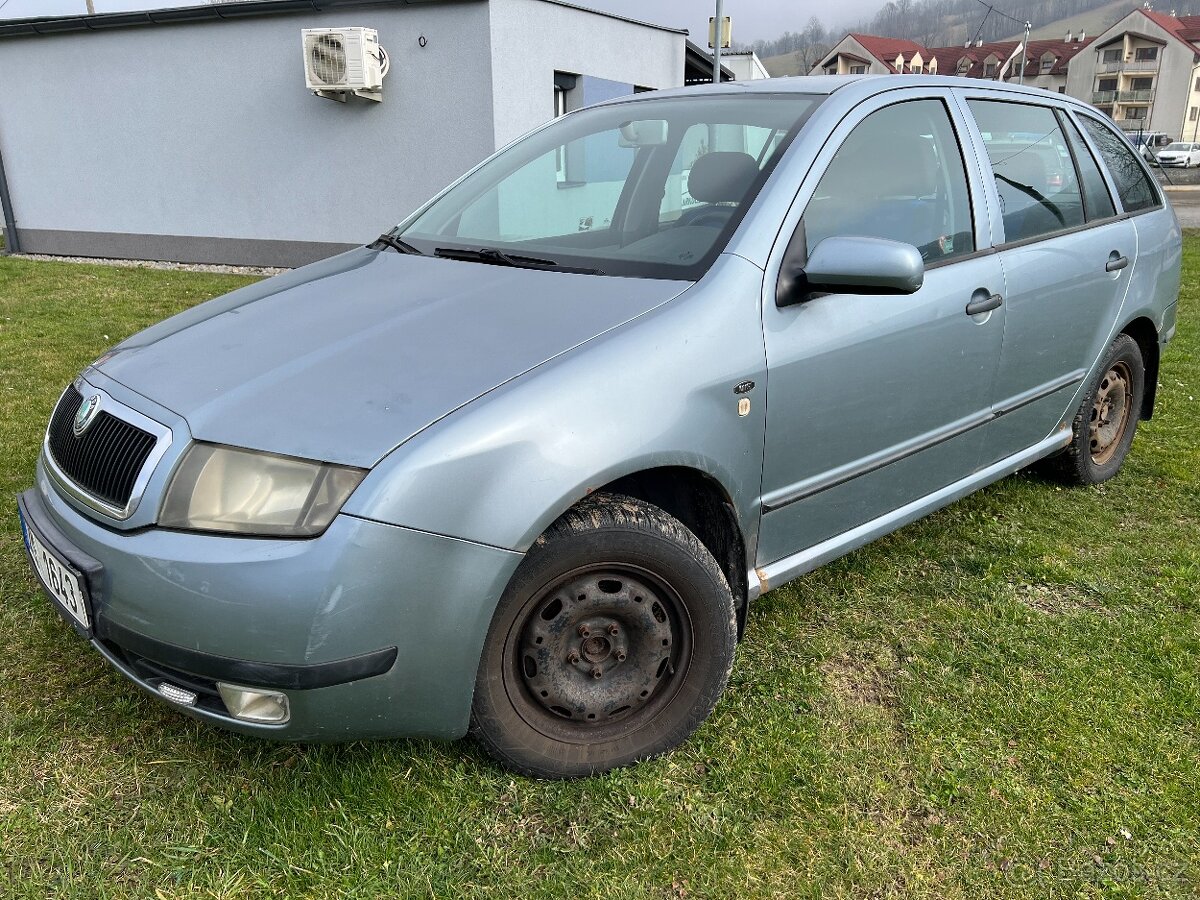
(499, 258)
(387, 239)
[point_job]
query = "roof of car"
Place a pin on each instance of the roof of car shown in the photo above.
(867, 84)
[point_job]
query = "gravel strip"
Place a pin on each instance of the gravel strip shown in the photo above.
(155, 264)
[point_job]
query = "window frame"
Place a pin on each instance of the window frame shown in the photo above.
(1079, 116)
(960, 142)
(994, 193)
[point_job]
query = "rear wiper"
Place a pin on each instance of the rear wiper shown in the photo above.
(387, 239)
(500, 258)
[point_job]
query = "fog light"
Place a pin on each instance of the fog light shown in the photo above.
(255, 704)
(176, 694)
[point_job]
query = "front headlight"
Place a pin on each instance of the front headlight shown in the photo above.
(246, 492)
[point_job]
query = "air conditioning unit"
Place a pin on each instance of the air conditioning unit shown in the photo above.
(340, 62)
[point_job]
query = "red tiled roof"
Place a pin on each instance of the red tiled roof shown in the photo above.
(886, 49)
(1184, 28)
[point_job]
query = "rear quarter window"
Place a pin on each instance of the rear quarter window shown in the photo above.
(1134, 185)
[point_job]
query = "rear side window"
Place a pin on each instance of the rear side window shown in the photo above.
(1097, 201)
(1133, 183)
(900, 176)
(1035, 176)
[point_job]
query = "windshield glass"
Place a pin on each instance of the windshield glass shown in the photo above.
(1178, 146)
(650, 188)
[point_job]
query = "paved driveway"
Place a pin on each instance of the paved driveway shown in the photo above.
(1187, 207)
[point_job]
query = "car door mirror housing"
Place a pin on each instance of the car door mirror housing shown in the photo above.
(848, 264)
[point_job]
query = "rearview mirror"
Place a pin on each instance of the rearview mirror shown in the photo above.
(849, 265)
(643, 133)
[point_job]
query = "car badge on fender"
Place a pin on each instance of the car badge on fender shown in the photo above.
(86, 415)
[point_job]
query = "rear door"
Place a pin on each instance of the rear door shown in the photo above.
(1067, 255)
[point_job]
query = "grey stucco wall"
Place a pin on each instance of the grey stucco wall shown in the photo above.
(532, 40)
(145, 135)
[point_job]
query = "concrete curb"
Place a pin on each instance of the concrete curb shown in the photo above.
(1180, 188)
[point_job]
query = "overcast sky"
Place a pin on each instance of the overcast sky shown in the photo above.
(752, 19)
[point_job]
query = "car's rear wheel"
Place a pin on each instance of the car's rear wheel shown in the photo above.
(1106, 421)
(611, 645)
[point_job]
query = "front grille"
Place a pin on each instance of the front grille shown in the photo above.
(106, 459)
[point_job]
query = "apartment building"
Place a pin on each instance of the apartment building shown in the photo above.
(1143, 72)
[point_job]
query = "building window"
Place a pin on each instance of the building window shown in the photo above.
(989, 67)
(1062, 88)
(858, 70)
(1142, 84)
(1193, 113)
(832, 70)
(963, 65)
(1196, 86)
(1112, 56)
(1145, 53)
(1107, 84)
(916, 70)
(1047, 63)
(1135, 112)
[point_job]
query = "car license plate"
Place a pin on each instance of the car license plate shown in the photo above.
(61, 581)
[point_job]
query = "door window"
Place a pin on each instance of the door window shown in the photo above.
(899, 176)
(1097, 202)
(1038, 188)
(1132, 181)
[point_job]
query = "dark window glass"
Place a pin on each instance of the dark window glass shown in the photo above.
(1035, 178)
(1133, 182)
(899, 176)
(1145, 53)
(1097, 201)
(1112, 56)
(1107, 84)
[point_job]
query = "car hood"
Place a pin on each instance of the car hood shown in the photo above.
(346, 359)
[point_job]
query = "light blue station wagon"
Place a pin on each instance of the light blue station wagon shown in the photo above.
(519, 466)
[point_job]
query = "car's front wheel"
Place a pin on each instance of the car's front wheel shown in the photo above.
(611, 644)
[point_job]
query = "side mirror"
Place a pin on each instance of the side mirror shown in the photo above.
(849, 265)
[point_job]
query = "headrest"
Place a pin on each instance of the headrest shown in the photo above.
(722, 177)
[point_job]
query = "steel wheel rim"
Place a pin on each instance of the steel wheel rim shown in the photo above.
(551, 662)
(1111, 412)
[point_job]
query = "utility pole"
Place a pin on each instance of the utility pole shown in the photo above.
(91, 8)
(718, 34)
(1024, 47)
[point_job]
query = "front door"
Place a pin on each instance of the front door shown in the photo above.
(875, 401)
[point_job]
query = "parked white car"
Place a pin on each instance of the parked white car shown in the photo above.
(1180, 154)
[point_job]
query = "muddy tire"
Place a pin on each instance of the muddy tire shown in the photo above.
(611, 644)
(1103, 428)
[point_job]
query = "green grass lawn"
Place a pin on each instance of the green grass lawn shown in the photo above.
(1001, 700)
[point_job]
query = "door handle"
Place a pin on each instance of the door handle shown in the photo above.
(982, 301)
(1116, 262)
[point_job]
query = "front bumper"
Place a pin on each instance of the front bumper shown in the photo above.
(372, 630)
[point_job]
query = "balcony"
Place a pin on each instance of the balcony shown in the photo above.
(1133, 124)
(1132, 65)
(1135, 96)
(1103, 98)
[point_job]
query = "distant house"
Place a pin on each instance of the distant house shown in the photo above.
(745, 65)
(1046, 62)
(1143, 72)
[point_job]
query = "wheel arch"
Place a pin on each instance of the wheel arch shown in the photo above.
(1145, 334)
(705, 508)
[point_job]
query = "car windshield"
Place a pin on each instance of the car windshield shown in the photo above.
(1182, 148)
(648, 188)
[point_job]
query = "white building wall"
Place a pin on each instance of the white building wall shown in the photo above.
(532, 39)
